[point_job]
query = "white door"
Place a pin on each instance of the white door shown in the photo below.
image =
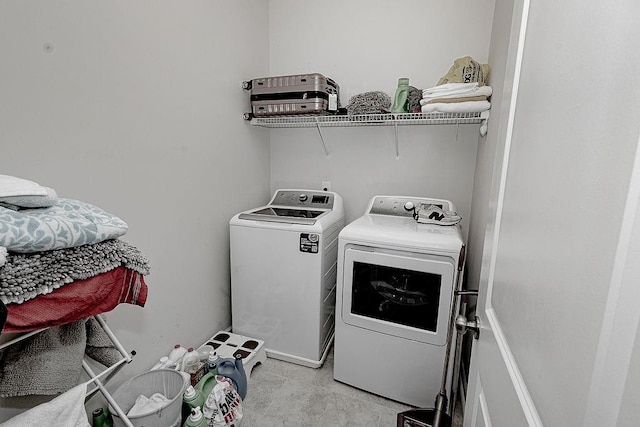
(558, 287)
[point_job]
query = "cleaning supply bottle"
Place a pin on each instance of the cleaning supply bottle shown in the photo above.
(191, 399)
(196, 419)
(206, 384)
(192, 365)
(212, 363)
(242, 376)
(401, 100)
(204, 351)
(102, 418)
(164, 360)
(177, 353)
(234, 370)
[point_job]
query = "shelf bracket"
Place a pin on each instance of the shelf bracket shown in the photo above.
(395, 126)
(326, 152)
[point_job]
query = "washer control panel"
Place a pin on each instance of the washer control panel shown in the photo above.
(303, 198)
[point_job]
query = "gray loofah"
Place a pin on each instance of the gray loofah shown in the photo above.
(415, 95)
(25, 276)
(374, 102)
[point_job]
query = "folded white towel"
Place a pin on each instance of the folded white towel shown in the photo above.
(66, 410)
(450, 88)
(476, 91)
(457, 107)
(13, 186)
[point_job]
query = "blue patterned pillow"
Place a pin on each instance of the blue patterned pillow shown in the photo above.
(66, 224)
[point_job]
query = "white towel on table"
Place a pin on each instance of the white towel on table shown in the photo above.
(457, 107)
(14, 186)
(66, 410)
(476, 91)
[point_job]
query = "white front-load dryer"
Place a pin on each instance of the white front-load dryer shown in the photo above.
(395, 288)
(283, 273)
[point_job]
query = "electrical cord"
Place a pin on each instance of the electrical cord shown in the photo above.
(410, 207)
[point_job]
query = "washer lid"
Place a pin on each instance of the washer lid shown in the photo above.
(297, 207)
(284, 214)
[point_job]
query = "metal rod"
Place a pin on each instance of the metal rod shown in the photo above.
(113, 338)
(441, 399)
(106, 373)
(455, 378)
(20, 338)
(106, 394)
(95, 378)
(469, 293)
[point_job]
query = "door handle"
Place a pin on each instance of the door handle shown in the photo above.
(464, 325)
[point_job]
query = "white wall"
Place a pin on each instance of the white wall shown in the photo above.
(367, 46)
(489, 148)
(138, 110)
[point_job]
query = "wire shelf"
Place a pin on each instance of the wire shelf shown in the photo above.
(388, 119)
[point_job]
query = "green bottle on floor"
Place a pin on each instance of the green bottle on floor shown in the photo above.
(196, 419)
(192, 397)
(102, 418)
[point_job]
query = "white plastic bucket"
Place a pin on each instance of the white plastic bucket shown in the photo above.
(169, 382)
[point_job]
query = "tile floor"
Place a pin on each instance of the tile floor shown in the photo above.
(286, 394)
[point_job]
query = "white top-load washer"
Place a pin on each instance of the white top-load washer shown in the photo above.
(283, 273)
(395, 288)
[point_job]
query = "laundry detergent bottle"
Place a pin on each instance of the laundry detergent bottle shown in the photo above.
(234, 370)
(177, 353)
(401, 100)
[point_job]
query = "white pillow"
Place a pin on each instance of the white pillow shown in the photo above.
(22, 202)
(13, 186)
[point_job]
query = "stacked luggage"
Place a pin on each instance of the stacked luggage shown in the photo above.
(291, 95)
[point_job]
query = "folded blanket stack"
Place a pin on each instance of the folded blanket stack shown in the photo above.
(456, 98)
(46, 244)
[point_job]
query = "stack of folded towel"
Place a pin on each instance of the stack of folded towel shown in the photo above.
(456, 98)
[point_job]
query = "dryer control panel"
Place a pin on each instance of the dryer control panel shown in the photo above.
(403, 206)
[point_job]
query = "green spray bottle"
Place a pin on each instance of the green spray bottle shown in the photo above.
(196, 419)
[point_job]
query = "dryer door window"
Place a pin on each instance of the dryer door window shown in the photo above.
(398, 293)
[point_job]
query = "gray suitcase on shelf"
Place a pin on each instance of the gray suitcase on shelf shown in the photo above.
(295, 94)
